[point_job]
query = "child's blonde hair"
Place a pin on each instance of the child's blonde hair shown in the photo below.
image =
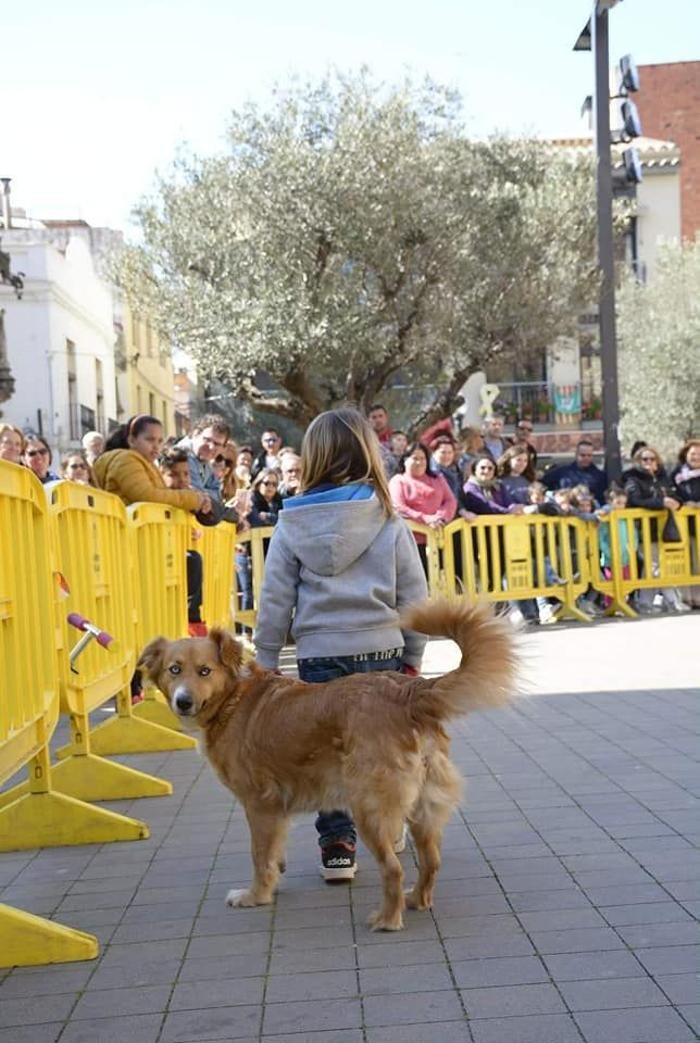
(581, 492)
(340, 447)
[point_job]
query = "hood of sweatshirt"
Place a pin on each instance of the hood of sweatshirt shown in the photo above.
(328, 537)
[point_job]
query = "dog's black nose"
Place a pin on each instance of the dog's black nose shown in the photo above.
(184, 702)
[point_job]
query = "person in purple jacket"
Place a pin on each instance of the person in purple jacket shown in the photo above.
(483, 493)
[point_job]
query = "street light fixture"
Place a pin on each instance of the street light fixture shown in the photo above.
(594, 37)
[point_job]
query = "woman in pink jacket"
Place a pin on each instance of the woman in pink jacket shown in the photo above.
(419, 494)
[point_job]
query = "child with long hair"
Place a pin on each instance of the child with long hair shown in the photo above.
(344, 566)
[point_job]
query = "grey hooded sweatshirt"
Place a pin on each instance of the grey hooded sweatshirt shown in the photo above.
(349, 571)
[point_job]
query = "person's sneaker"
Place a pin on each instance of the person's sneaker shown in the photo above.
(338, 861)
(400, 842)
(197, 629)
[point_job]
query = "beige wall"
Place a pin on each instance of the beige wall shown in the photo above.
(150, 384)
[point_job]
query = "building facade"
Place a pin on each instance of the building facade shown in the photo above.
(669, 108)
(145, 379)
(60, 338)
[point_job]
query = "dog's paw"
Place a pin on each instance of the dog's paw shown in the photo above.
(378, 922)
(416, 900)
(282, 865)
(242, 900)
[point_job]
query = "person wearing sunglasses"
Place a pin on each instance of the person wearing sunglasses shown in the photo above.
(647, 485)
(75, 468)
(269, 455)
(37, 457)
(266, 501)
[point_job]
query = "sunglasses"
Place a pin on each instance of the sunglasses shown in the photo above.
(221, 459)
(273, 484)
(37, 452)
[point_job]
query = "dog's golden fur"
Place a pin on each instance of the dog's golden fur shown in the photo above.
(373, 743)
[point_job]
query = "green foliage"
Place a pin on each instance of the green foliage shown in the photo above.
(353, 233)
(658, 329)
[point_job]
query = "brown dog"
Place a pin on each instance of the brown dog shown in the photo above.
(373, 743)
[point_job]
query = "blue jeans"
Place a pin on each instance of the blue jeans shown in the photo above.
(337, 825)
(244, 580)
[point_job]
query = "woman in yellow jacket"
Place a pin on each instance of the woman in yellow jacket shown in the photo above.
(128, 468)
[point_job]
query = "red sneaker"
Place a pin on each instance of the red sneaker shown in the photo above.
(197, 629)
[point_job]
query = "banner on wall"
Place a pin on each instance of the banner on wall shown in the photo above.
(567, 398)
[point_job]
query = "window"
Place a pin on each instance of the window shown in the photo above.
(99, 397)
(73, 410)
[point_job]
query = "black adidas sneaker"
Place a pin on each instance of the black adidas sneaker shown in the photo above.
(338, 861)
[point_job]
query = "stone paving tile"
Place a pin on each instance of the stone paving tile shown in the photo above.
(217, 1023)
(406, 1009)
(542, 1028)
(312, 1016)
(640, 1025)
(108, 1003)
(442, 1031)
(619, 993)
(32, 1010)
(47, 1033)
(511, 1001)
(337, 1036)
(322, 985)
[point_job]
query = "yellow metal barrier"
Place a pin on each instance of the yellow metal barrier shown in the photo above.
(653, 562)
(94, 552)
(507, 558)
(217, 545)
(254, 541)
(29, 705)
(160, 537)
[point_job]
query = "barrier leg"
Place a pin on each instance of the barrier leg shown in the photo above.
(55, 819)
(43, 818)
(84, 775)
(27, 940)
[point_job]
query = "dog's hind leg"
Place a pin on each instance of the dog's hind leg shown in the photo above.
(268, 833)
(379, 835)
(427, 822)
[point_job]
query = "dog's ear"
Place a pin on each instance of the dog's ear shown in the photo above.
(151, 659)
(230, 650)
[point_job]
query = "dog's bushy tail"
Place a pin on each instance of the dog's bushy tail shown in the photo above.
(487, 674)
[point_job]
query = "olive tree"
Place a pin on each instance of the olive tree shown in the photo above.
(658, 327)
(352, 233)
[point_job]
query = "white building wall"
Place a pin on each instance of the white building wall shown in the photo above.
(658, 215)
(63, 300)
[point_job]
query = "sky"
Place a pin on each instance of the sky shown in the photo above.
(95, 99)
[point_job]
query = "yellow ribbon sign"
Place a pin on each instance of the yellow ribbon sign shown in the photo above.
(488, 395)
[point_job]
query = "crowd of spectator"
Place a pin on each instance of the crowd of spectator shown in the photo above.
(432, 480)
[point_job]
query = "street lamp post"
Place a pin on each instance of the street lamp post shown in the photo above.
(595, 37)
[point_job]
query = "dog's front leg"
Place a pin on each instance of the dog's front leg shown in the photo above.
(268, 833)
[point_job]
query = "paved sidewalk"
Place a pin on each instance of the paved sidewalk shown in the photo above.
(566, 907)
